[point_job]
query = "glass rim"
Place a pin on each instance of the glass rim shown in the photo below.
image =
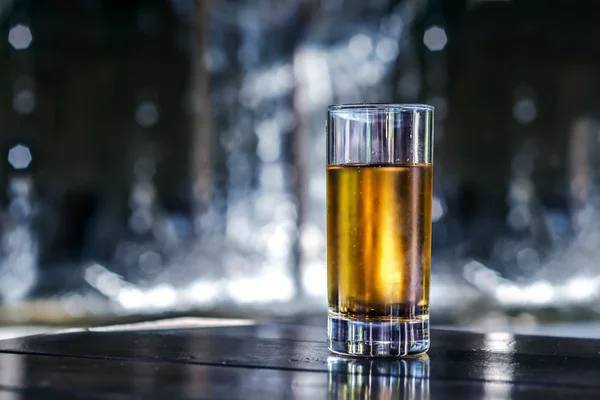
(397, 107)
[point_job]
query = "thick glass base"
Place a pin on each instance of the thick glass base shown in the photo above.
(377, 339)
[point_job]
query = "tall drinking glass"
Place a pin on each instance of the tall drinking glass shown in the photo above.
(379, 190)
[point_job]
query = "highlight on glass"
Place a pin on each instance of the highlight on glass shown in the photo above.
(379, 191)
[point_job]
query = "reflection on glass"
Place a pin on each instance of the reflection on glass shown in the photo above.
(378, 378)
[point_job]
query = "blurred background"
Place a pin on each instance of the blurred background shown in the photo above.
(168, 157)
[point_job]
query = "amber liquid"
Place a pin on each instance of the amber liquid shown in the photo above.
(379, 241)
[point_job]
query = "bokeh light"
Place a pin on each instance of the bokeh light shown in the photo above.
(435, 38)
(19, 156)
(19, 37)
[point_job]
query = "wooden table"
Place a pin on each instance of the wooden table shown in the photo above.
(287, 360)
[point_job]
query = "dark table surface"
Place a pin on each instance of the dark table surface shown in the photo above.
(183, 360)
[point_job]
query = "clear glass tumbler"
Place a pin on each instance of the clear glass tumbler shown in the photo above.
(379, 191)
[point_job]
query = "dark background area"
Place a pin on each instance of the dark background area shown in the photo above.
(177, 151)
